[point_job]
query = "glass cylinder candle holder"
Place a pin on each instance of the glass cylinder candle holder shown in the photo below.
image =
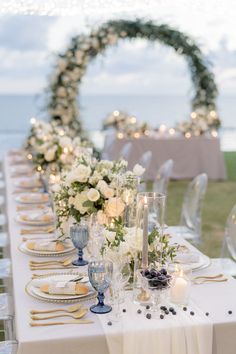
(180, 287)
(150, 218)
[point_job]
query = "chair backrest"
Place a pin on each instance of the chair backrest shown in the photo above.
(110, 138)
(146, 159)
(8, 347)
(192, 204)
(126, 150)
(163, 177)
(230, 233)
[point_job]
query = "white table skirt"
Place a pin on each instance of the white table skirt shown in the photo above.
(215, 298)
(191, 156)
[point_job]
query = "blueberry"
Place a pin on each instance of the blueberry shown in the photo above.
(171, 309)
(166, 312)
(230, 312)
(148, 316)
(147, 307)
(146, 272)
(164, 271)
(192, 313)
(109, 323)
(148, 276)
(174, 312)
(139, 311)
(185, 308)
(161, 317)
(153, 273)
(163, 308)
(207, 313)
(124, 310)
(161, 278)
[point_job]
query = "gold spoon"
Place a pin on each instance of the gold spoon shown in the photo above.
(37, 231)
(33, 324)
(209, 276)
(75, 316)
(203, 281)
(70, 309)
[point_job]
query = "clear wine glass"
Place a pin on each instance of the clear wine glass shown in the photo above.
(79, 235)
(100, 276)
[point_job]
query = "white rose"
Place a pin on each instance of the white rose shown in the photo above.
(93, 195)
(79, 200)
(101, 184)
(50, 154)
(138, 170)
(80, 174)
(108, 192)
(123, 248)
(114, 207)
(65, 141)
(101, 218)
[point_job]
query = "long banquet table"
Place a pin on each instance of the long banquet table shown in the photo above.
(168, 336)
(191, 156)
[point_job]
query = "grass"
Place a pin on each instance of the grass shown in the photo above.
(219, 200)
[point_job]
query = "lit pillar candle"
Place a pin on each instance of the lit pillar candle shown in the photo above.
(180, 289)
(145, 234)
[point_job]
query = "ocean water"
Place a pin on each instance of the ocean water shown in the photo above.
(16, 112)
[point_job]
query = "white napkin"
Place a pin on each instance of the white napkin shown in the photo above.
(187, 257)
(62, 288)
(43, 245)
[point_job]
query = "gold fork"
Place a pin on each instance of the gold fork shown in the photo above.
(47, 230)
(203, 281)
(75, 316)
(36, 324)
(69, 309)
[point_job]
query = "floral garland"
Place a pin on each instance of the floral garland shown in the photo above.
(71, 66)
(91, 187)
(125, 125)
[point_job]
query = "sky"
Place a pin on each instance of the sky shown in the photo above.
(28, 47)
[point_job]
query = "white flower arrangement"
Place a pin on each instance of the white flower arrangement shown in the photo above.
(93, 186)
(125, 124)
(50, 145)
(203, 121)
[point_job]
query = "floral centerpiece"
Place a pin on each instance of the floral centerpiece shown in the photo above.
(123, 243)
(202, 121)
(52, 147)
(94, 187)
(125, 124)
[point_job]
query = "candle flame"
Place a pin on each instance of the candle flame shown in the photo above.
(145, 199)
(181, 273)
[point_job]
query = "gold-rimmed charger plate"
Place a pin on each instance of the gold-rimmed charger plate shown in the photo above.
(32, 198)
(30, 290)
(34, 222)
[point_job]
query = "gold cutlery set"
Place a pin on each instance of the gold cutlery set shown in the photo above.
(219, 278)
(76, 313)
(48, 265)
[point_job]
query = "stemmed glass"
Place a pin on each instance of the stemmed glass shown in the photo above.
(100, 276)
(79, 235)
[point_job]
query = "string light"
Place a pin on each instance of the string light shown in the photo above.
(214, 133)
(172, 131)
(33, 121)
(188, 135)
(120, 135)
(162, 128)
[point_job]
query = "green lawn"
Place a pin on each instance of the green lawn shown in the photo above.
(220, 198)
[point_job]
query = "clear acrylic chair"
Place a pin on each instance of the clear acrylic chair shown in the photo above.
(125, 151)
(145, 161)
(5, 268)
(161, 182)
(2, 184)
(108, 143)
(228, 251)
(191, 222)
(8, 347)
(7, 317)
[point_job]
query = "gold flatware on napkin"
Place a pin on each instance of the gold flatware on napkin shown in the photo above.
(203, 281)
(75, 316)
(43, 230)
(36, 324)
(51, 267)
(33, 206)
(69, 309)
(31, 190)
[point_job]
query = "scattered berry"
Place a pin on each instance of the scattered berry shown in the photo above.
(171, 309)
(148, 316)
(109, 323)
(147, 307)
(185, 308)
(174, 312)
(163, 308)
(230, 312)
(166, 312)
(207, 313)
(161, 317)
(139, 311)
(192, 313)
(124, 310)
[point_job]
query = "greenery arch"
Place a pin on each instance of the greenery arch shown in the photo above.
(71, 66)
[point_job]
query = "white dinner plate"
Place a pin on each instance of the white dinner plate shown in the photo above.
(203, 262)
(34, 218)
(69, 248)
(32, 198)
(34, 291)
(21, 170)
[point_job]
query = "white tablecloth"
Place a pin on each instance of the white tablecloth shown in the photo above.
(215, 298)
(191, 156)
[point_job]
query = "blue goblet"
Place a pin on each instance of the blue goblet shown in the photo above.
(79, 235)
(100, 276)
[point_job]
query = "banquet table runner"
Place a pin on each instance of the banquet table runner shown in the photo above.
(179, 334)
